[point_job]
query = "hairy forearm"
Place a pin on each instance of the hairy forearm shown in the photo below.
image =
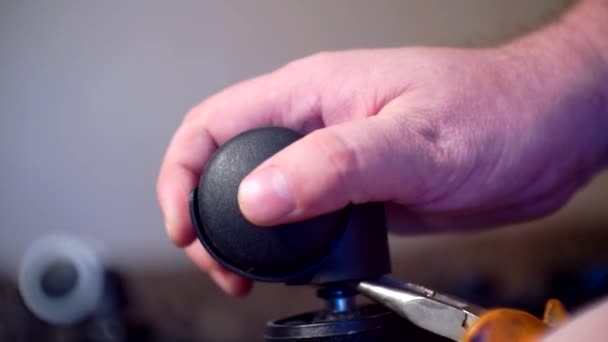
(588, 19)
(584, 30)
(565, 65)
(585, 27)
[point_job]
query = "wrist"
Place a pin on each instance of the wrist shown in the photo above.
(588, 22)
(565, 73)
(584, 31)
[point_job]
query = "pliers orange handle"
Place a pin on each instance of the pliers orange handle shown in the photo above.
(507, 325)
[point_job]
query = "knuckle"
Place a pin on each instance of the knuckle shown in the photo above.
(322, 57)
(342, 157)
(200, 113)
(193, 114)
(317, 60)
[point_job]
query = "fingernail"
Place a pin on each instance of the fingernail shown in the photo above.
(220, 279)
(266, 196)
(226, 281)
(169, 224)
(172, 229)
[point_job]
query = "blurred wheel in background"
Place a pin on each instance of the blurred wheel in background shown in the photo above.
(61, 280)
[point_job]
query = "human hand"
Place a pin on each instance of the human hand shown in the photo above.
(449, 138)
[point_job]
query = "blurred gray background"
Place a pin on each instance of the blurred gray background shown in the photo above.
(91, 92)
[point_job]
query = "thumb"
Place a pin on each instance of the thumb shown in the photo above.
(367, 160)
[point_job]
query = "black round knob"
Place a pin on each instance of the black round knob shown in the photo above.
(278, 253)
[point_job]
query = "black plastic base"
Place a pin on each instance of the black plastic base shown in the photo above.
(366, 323)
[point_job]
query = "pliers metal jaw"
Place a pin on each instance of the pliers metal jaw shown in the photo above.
(456, 319)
